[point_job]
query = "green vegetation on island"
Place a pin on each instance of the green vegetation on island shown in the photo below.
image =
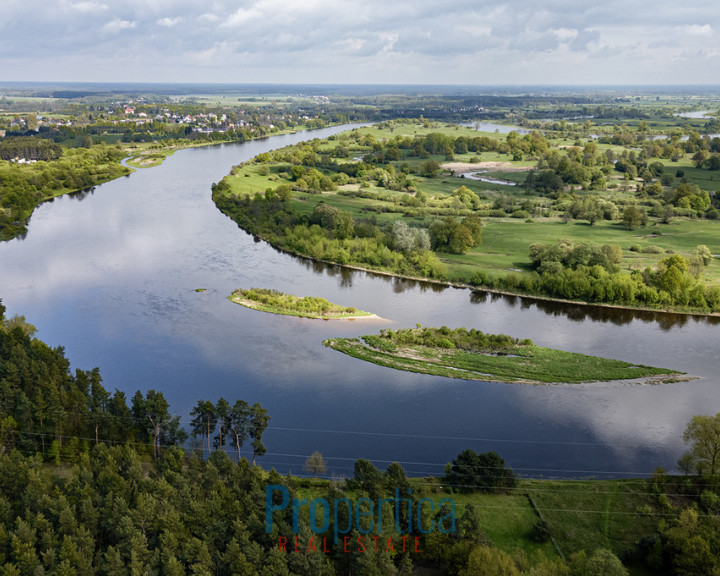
(268, 300)
(628, 221)
(473, 355)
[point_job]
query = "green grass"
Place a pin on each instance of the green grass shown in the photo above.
(589, 514)
(581, 514)
(518, 363)
(506, 519)
(506, 243)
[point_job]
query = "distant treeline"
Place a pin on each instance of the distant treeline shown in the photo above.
(29, 148)
(23, 187)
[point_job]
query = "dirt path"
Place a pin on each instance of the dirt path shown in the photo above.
(489, 166)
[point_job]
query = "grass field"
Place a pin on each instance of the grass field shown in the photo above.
(506, 243)
(581, 514)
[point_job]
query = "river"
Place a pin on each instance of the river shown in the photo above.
(112, 274)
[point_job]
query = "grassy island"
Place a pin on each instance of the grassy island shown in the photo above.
(473, 355)
(268, 300)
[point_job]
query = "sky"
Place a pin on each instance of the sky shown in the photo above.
(515, 42)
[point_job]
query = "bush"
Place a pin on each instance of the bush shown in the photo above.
(710, 501)
(540, 532)
(653, 250)
(485, 472)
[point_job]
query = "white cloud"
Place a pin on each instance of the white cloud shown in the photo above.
(697, 30)
(115, 26)
(515, 41)
(565, 34)
(170, 22)
(243, 16)
(208, 17)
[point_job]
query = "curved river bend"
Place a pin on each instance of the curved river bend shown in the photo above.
(111, 275)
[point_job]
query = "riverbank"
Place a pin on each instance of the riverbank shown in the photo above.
(472, 355)
(495, 291)
(276, 302)
(26, 186)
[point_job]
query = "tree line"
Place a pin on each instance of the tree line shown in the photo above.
(46, 409)
(589, 272)
(29, 148)
(231, 425)
(25, 186)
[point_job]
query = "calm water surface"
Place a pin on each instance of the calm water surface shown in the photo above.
(111, 276)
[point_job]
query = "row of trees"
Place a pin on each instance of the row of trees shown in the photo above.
(546, 256)
(231, 425)
(461, 338)
(29, 148)
(674, 282)
(46, 409)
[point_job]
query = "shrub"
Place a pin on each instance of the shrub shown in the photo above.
(540, 532)
(653, 250)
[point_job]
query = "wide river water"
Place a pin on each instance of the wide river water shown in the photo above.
(111, 276)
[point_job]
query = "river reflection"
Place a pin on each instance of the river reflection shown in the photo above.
(582, 313)
(112, 279)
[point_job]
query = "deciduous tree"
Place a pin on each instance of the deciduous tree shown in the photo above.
(703, 435)
(315, 464)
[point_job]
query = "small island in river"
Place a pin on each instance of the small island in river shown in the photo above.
(474, 355)
(276, 302)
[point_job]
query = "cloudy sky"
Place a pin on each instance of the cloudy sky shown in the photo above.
(362, 41)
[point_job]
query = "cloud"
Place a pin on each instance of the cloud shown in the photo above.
(696, 30)
(115, 26)
(516, 41)
(169, 22)
(208, 17)
(243, 16)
